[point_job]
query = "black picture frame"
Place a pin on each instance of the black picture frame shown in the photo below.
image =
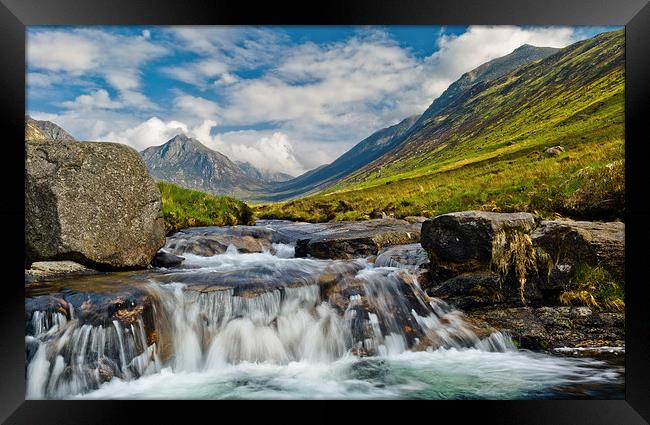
(15, 15)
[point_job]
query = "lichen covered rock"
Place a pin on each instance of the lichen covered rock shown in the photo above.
(92, 203)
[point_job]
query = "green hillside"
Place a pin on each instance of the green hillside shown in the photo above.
(486, 149)
(188, 208)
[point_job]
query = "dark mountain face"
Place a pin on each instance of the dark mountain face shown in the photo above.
(361, 154)
(188, 163)
(44, 130)
(388, 139)
(489, 71)
(263, 175)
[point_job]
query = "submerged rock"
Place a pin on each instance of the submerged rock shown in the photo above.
(90, 202)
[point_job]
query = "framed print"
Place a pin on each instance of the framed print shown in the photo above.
(421, 201)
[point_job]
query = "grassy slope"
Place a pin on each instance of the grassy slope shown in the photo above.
(486, 151)
(187, 208)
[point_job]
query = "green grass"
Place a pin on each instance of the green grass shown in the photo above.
(488, 153)
(596, 288)
(190, 208)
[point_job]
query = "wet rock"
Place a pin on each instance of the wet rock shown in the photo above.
(470, 290)
(209, 241)
(45, 270)
(569, 243)
(92, 203)
(415, 219)
(411, 256)
(346, 240)
(550, 328)
(378, 214)
(165, 259)
(94, 300)
(494, 244)
(469, 238)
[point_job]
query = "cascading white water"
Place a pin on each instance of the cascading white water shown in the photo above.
(71, 357)
(275, 320)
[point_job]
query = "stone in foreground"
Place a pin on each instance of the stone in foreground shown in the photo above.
(469, 239)
(92, 203)
(43, 270)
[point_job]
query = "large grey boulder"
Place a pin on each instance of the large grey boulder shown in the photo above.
(90, 202)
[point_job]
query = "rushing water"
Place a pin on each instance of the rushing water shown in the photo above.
(273, 326)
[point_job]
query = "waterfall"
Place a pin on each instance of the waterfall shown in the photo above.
(70, 357)
(248, 309)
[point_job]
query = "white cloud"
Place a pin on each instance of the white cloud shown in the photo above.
(197, 107)
(86, 53)
(273, 153)
(223, 50)
(458, 54)
(62, 51)
(152, 132)
(98, 99)
(41, 79)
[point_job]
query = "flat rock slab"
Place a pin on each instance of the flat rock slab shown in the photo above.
(550, 328)
(209, 241)
(94, 299)
(44, 270)
(346, 239)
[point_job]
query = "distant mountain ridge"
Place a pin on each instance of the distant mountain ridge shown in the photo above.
(44, 130)
(263, 175)
(388, 139)
(187, 162)
(361, 154)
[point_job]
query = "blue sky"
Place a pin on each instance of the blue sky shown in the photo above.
(283, 98)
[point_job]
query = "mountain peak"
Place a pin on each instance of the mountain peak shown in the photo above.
(186, 161)
(45, 130)
(183, 138)
(525, 47)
